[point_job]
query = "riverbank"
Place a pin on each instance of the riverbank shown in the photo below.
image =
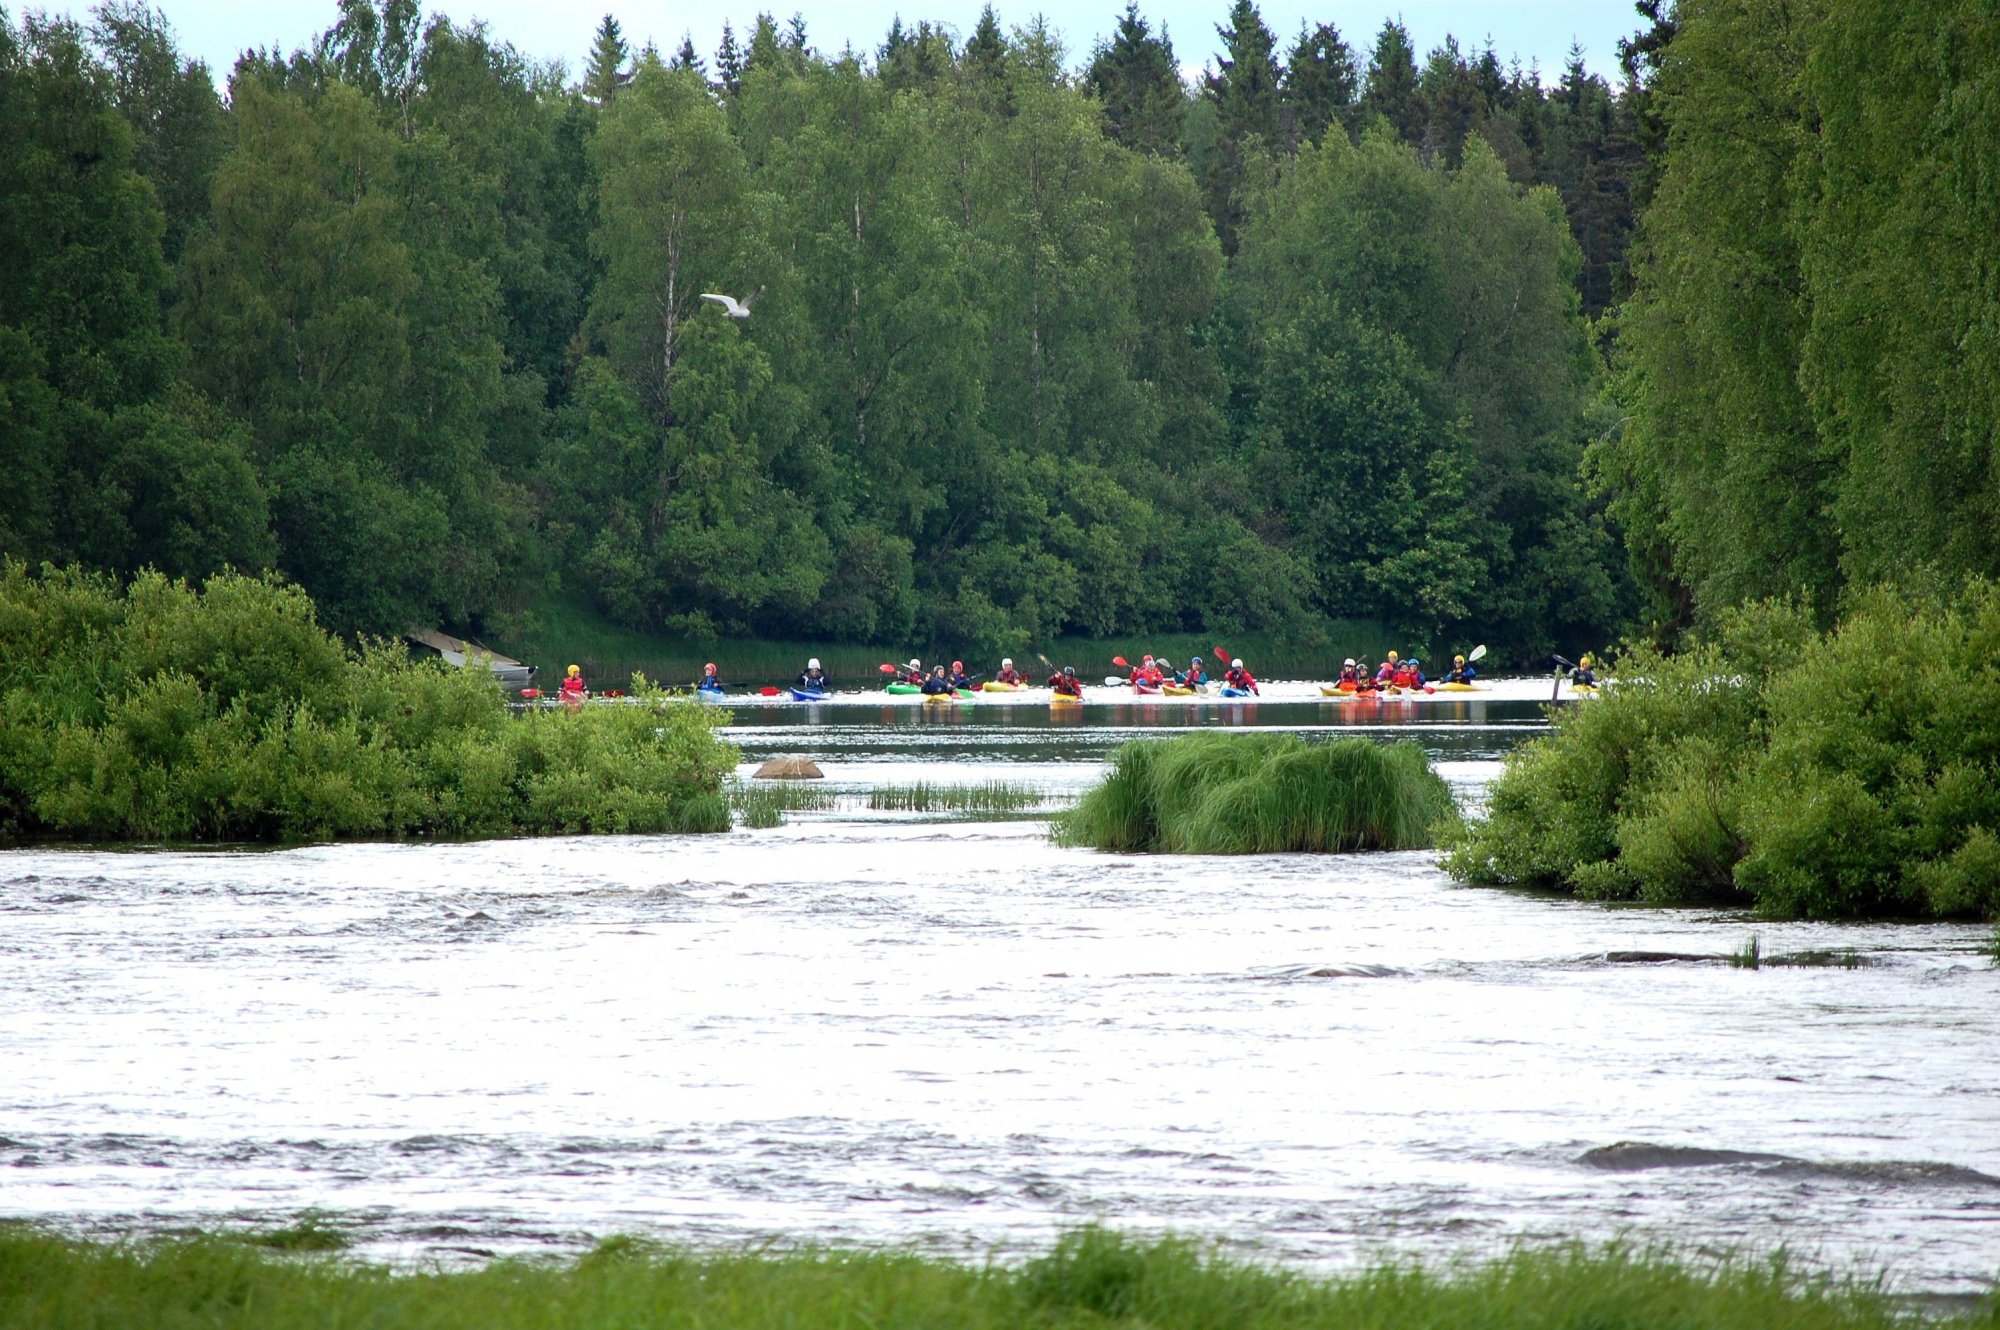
(1092, 1278)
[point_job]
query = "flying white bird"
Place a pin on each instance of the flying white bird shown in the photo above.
(730, 306)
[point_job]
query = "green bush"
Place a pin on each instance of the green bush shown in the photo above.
(165, 713)
(1211, 793)
(1853, 772)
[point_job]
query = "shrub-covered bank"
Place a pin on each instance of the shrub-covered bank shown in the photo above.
(1260, 794)
(1814, 774)
(1091, 1279)
(225, 713)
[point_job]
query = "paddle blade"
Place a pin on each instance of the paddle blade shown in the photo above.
(1121, 662)
(1478, 653)
(1222, 655)
(886, 668)
(768, 691)
(1114, 681)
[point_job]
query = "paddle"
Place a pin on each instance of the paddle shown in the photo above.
(1121, 662)
(768, 691)
(886, 668)
(1478, 654)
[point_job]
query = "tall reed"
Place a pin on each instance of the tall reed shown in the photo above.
(1213, 793)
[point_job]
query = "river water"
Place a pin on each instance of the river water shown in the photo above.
(878, 1028)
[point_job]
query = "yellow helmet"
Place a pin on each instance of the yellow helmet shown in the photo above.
(1392, 656)
(1584, 659)
(574, 670)
(1458, 660)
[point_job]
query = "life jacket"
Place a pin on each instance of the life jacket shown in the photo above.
(572, 685)
(1008, 675)
(1066, 684)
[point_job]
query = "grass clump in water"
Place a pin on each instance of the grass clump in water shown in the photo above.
(1092, 1278)
(1260, 794)
(994, 797)
(765, 803)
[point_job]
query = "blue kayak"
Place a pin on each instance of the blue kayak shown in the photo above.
(1228, 691)
(808, 695)
(708, 694)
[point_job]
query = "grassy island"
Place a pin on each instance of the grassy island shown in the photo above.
(1092, 1279)
(163, 712)
(1260, 794)
(1829, 774)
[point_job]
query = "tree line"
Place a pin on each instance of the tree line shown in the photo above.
(1035, 347)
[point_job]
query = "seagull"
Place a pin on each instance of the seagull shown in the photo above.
(729, 303)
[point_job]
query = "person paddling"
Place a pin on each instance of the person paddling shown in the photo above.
(1195, 676)
(1461, 671)
(912, 673)
(711, 682)
(812, 679)
(1582, 675)
(1008, 674)
(1238, 677)
(958, 677)
(573, 690)
(937, 685)
(1066, 683)
(1351, 675)
(1386, 675)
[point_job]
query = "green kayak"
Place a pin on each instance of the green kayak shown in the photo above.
(901, 688)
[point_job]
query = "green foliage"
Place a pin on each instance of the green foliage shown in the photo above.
(1093, 1277)
(1822, 775)
(167, 713)
(1260, 794)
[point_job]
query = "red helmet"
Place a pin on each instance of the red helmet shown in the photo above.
(958, 667)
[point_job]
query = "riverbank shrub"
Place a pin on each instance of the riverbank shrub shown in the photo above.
(163, 712)
(1837, 774)
(1092, 1278)
(1260, 794)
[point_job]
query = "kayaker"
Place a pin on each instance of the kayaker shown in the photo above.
(573, 690)
(711, 682)
(937, 683)
(912, 673)
(1238, 677)
(1008, 674)
(1581, 675)
(1350, 673)
(813, 680)
(958, 676)
(1386, 675)
(1066, 683)
(1416, 668)
(1194, 678)
(1460, 671)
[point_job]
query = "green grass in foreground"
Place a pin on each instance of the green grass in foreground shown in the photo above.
(764, 803)
(1216, 793)
(1093, 1278)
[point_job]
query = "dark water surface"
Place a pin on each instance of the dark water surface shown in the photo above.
(865, 1027)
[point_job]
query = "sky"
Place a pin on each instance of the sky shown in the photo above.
(1536, 31)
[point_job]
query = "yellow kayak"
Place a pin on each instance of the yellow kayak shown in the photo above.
(995, 686)
(1064, 700)
(939, 699)
(1461, 688)
(1340, 694)
(1175, 690)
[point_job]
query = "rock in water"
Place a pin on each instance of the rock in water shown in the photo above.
(791, 767)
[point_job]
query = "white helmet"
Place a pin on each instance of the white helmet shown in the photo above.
(813, 664)
(1007, 663)
(916, 664)
(1349, 662)
(1236, 664)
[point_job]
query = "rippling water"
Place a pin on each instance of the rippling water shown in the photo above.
(868, 1028)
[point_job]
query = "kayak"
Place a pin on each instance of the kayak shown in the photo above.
(995, 686)
(1176, 690)
(1231, 691)
(1144, 690)
(1462, 688)
(940, 699)
(901, 688)
(1064, 700)
(808, 695)
(1338, 694)
(710, 694)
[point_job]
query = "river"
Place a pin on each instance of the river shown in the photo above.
(948, 1034)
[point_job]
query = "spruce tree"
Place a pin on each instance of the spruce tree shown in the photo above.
(1320, 85)
(606, 70)
(729, 63)
(1138, 80)
(1244, 91)
(1390, 90)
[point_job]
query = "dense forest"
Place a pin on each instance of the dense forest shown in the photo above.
(1039, 343)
